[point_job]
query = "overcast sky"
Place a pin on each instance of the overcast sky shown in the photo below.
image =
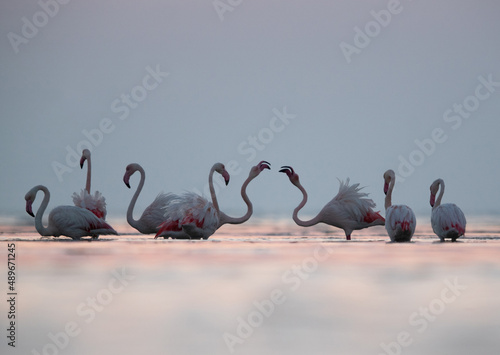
(335, 89)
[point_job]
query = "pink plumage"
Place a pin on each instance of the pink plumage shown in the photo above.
(71, 221)
(186, 213)
(400, 221)
(349, 210)
(447, 220)
(190, 216)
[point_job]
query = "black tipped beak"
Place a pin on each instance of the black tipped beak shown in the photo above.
(29, 209)
(286, 169)
(126, 182)
(264, 165)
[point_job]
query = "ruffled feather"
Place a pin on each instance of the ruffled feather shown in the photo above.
(189, 208)
(355, 203)
(94, 203)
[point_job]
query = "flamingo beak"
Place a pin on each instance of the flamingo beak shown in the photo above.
(287, 170)
(386, 188)
(126, 179)
(433, 200)
(225, 175)
(29, 208)
(82, 160)
(264, 165)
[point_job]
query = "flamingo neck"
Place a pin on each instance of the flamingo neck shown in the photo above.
(441, 193)
(388, 196)
(41, 210)
(227, 219)
(300, 222)
(89, 168)
(212, 190)
(130, 211)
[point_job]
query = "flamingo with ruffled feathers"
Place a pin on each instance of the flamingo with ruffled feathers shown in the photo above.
(94, 203)
(71, 221)
(152, 217)
(447, 220)
(400, 220)
(191, 216)
(348, 210)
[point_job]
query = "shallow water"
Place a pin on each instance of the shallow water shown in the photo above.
(267, 287)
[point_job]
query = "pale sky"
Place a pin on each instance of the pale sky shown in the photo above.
(335, 89)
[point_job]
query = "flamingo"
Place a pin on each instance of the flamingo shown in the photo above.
(94, 203)
(349, 210)
(191, 216)
(400, 220)
(447, 220)
(152, 216)
(71, 221)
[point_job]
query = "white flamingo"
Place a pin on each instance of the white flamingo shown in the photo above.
(349, 210)
(447, 220)
(191, 216)
(71, 221)
(94, 203)
(400, 220)
(152, 216)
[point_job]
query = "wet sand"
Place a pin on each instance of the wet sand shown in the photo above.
(260, 288)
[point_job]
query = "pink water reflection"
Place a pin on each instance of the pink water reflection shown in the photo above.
(337, 297)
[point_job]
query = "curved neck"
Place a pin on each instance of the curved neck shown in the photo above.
(130, 211)
(388, 196)
(41, 210)
(227, 219)
(212, 190)
(300, 222)
(441, 193)
(87, 186)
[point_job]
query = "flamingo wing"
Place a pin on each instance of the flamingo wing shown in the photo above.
(95, 203)
(76, 222)
(448, 221)
(355, 205)
(153, 215)
(190, 210)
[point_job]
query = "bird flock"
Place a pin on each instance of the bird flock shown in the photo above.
(191, 216)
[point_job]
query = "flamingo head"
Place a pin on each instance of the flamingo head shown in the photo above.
(221, 169)
(129, 170)
(434, 189)
(256, 170)
(292, 175)
(389, 176)
(85, 156)
(30, 198)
